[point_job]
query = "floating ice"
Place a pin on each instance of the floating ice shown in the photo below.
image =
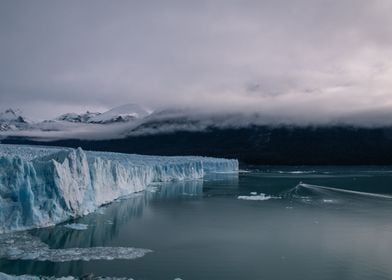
(244, 171)
(152, 189)
(4, 276)
(41, 186)
(298, 172)
(23, 246)
(254, 196)
(76, 226)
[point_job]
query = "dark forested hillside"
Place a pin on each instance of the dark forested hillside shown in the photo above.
(256, 144)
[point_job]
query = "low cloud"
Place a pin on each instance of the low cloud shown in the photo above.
(306, 61)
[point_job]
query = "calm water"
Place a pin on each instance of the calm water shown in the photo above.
(201, 230)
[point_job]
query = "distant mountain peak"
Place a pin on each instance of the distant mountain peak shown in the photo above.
(9, 111)
(77, 118)
(11, 115)
(123, 113)
(11, 119)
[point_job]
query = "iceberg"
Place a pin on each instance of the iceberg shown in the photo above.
(254, 196)
(76, 226)
(42, 186)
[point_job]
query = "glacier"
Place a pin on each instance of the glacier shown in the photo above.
(42, 186)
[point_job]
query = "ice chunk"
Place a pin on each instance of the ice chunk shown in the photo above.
(41, 186)
(261, 196)
(76, 226)
(4, 276)
(23, 246)
(152, 189)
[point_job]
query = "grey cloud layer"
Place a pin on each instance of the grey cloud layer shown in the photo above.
(306, 59)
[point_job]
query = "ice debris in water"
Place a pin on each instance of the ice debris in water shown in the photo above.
(41, 186)
(76, 226)
(254, 196)
(152, 189)
(4, 276)
(23, 246)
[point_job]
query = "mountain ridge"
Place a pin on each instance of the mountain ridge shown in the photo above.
(11, 120)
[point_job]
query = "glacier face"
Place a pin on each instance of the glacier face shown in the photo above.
(41, 186)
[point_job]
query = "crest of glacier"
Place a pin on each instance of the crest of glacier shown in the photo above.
(42, 186)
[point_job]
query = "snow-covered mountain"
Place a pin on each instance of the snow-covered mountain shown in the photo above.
(12, 119)
(123, 113)
(77, 118)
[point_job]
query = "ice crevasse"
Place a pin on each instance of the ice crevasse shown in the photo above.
(41, 186)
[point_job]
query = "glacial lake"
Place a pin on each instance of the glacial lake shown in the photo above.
(291, 223)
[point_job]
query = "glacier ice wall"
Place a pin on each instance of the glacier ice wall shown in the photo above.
(41, 186)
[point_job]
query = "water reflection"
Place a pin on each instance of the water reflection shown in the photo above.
(200, 230)
(107, 222)
(103, 226)
(225, 184)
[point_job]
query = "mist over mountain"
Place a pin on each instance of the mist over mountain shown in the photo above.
(252, 138)
(134, 120)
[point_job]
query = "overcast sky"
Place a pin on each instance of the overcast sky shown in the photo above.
(303, 58)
